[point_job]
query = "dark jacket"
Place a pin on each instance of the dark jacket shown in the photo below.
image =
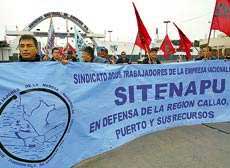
(121, 61)
(146, 61)
(202, 58)
(36, 59)
(227, 57)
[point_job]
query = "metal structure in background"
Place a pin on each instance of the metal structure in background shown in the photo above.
(86, 32)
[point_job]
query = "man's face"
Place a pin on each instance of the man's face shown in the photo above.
(28, 49)
(74, 55)
(206, 53)
(86, 57)
(153, 55)
(201, 53)
(103, 54)
(56, 55)
(214, 53)
(123, 55)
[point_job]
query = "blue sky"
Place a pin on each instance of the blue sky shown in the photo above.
(192, 16)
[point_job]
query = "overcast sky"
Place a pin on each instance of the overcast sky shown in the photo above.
(192, 16)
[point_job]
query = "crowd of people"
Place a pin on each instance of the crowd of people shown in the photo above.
(28, 48)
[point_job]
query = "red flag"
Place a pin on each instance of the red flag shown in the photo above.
(185, 43)
(167, 47)
(62, 52)
(69, 47)
(221, 17)
(143, 39)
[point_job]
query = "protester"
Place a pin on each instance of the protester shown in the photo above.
(28, 48)
(200, 56)
(179, 58)
(56, 56)
(152, 57)
(215, 53)
(123, 59)
(103, 53)
(113, 59)
(45, 57)
(207, 53)
(88, 56)
(71, 56)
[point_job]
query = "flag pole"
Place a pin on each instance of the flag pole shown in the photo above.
(210, 32)
(147, 53)
(67, 31)
(132, 49)
(134, 45)
(140, 52)
(211, 25)
(196, 49)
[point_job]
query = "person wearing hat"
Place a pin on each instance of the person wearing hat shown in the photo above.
(104, 54)
(88, 56)
(152, 57)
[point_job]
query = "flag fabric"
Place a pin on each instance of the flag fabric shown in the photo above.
(79, 43)
(45, 50)
(185, 43)
(143, 40)
(51, 35)
(69, 47)
(167, 47)
(221, 17)
(62, 52)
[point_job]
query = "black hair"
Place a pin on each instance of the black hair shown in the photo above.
(29, 37)
(123, 53)
(55, 48)
(104, 49)
(89, 50)
(209, 48)
(154, 49)
(70, 52)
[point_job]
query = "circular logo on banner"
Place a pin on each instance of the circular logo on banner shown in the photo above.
(33, 123)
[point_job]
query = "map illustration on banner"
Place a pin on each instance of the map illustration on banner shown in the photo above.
(35, 128)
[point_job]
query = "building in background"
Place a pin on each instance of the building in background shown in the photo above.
(5, 51)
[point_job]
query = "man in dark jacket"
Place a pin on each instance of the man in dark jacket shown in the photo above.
(152, 58)
(28, 48)
(123, 59)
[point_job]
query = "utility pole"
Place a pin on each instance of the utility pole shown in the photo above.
(110, 32)
(166, 22)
